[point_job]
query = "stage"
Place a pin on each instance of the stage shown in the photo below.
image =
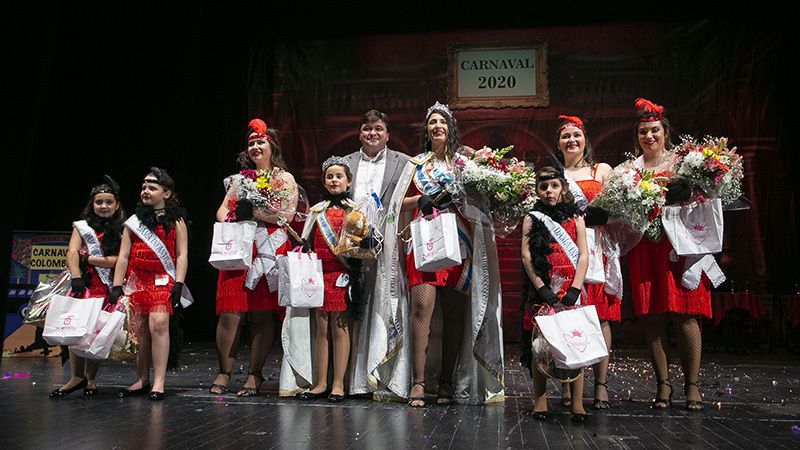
(751, 402)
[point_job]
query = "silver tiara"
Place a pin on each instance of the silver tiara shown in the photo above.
(439, 107)
(334, 161)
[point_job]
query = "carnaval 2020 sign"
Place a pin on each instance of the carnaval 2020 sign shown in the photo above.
(499, 75)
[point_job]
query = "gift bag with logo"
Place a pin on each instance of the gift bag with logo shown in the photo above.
(694, 229)
(232, 245)
(70, 319)
(595, 272)
(300, 281)
(575, 337)
(435, 242)
(98, 344)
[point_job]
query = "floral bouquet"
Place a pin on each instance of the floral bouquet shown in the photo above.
(505, 191)
(713, 169)
(634, 197)
(267, 190)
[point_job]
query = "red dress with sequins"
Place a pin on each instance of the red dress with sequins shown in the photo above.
(562, 272)
(233, 296)
(96, 287)
(607, 306)
(151, 279)
(332, 268)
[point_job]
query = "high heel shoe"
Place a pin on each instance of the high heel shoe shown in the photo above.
(600, 404)
(693, 405)
(220, 389)
(251, 392)
(579, 418)
(58, 393)
(663, 403)
(125, 392)
(418, 399)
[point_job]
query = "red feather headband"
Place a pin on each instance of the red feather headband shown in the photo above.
(258, 130)
(570, 121)
(648, 111)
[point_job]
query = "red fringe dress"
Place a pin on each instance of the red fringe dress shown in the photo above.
(561, 273)
(233, 296)
(607, 306)
(332, 268)
(151, 277)
(446, 277)
(96, 286)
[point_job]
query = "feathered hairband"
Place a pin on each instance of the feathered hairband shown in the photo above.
(570, 121)
(648, 111)
(258, 130)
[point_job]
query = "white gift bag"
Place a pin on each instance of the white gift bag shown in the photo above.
(595, 273)
(98, 344)
(694, 229)
(232, 245)
(575, 337)
(70, 319)
(300, 281)
(435, 242)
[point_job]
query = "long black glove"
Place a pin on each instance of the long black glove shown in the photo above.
(244, 210)
(547, 295)
(678, 190)
(595, 216)
(78, 287)
(175, 294)
(369, 242)
(426, 204)
(571, 296)
(83, 261)
(445, 201)
(114, 295)
(306, 245)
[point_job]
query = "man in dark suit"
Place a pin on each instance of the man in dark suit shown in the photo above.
(375, 168)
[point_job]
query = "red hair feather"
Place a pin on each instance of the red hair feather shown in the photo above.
(573, 119)
(258, 126)
(644, 105)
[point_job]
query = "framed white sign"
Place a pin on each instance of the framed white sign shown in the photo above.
(498, 76)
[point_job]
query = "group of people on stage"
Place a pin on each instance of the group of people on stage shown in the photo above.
(374, 329)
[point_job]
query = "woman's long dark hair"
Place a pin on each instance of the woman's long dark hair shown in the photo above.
(453, 142)
(275, 155)
(588, 154)
(642, 117)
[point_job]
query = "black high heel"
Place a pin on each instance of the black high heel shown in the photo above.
(420, 398)
(220, 389)
(251, 392)
(666, 402)
(693, 405)
(600, 404)
(58, 393)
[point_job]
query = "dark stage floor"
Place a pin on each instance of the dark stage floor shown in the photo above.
(750, 403)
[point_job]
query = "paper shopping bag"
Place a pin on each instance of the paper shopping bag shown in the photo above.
(595, 272)
(300, 281)
(70, 319)
(435, 242)
(575, 337)
(232, 245)
(694, 229)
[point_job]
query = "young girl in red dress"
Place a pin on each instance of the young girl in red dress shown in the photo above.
(245, 295)
(91, 255)
(153, 239)
(340, 304)
(554, 278)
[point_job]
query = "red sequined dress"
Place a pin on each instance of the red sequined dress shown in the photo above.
(96, 287)
(655, 281)
(332, 268)
(561, 273)
(607, 306)
(151, 279)
(233, 296)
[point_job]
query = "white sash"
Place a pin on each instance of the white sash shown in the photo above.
(264, 263)
(148, 237)
(693, 268)
(95, 249)
(580, 199)
(561, 236)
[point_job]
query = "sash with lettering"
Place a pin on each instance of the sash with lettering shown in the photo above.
(264, 263)
(561, 237)
(325, 228)
(148, 237)
(95, 249)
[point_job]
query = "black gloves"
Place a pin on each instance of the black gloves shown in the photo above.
(114, 295)
(175, 294)
(445, 201)
(369, 242)
(83, 261)
(78, 287)
(426, 204)
(571, 296)
(595, 216)
(244, 210)
(546, 294)
(306, 245)
(678, 190)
